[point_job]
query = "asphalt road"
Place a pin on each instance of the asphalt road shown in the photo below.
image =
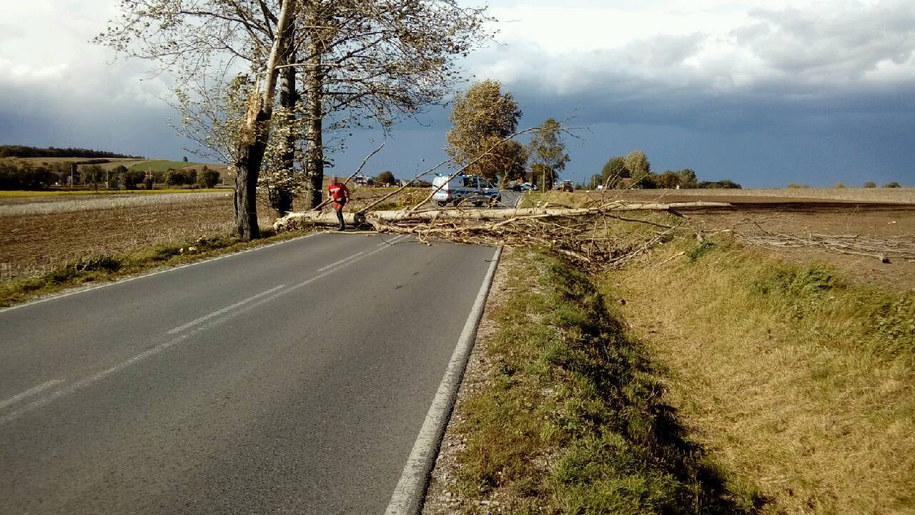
(291, 379)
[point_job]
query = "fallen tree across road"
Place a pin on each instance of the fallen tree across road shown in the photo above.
(574, 232)
(294, 220)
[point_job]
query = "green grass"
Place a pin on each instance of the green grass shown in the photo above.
(572, 418)
(802, 382)
(104, 267)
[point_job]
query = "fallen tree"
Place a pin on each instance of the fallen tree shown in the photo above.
(577, 233)
(382, 218)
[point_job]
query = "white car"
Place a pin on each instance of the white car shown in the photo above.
(469, 188)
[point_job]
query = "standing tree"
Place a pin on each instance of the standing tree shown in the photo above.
(207, 178)
(668, 180)
(688, 178)
(513, 162)
(547, 150)
(638, 166)
(93, 175)
(385, 179)
(614, 171)
(483, 117)
(358, 60)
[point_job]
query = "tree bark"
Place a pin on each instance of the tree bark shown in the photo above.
(288, 99)
(314, 154)
(248, 168)
(257, 131)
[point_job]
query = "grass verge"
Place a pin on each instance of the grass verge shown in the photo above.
(108, 267)
(791, 377)
(571, 419)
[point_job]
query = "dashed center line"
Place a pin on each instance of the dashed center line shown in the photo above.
(196, 326)
(30, 392)
(192, 323)
(344, 260)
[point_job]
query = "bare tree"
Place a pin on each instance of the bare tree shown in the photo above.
(373, 62)
(547, 151)
(362, 60)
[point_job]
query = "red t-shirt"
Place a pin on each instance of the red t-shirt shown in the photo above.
(338, 192)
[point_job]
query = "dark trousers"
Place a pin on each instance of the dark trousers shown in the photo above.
(339, 211)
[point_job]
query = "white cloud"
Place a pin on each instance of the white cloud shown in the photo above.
(46, 59)
(714, 46)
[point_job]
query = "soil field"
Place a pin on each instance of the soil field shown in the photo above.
(770, 196)
(47, 232)
(798, 231)
(39, 233)
(868, 221)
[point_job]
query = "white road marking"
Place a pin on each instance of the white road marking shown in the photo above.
(192, 323)
(227, 315)
(411, 489)
(354, 256)
(30, 392)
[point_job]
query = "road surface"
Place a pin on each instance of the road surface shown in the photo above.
(292, 379)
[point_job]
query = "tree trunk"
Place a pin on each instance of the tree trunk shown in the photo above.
(314, 154)
(444, 216)
(247, 169)
(251, 148)
(288, 99)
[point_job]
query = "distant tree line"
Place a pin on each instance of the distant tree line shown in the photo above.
(23, 175)
(634, 171)
(26, 151)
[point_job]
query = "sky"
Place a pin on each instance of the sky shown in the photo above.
(764, 93)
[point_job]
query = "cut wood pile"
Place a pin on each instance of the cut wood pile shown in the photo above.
(579, 233)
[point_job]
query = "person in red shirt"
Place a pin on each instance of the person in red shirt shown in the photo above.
(340, 195)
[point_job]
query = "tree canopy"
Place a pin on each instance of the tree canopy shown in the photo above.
(358, 60)
(547, 152)
(483, 118)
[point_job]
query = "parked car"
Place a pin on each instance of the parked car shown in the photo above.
(464, 188)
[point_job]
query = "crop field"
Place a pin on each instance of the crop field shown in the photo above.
(41, 233)
(768, 196)
(849, 228)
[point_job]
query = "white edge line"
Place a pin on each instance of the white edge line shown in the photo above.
(411, 489)
(79, 290)
(31, 391)
(194, 322)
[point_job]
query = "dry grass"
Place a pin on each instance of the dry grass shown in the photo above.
(570, 417)
(793, 380)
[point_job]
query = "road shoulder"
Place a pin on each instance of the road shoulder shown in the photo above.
(438, 498)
